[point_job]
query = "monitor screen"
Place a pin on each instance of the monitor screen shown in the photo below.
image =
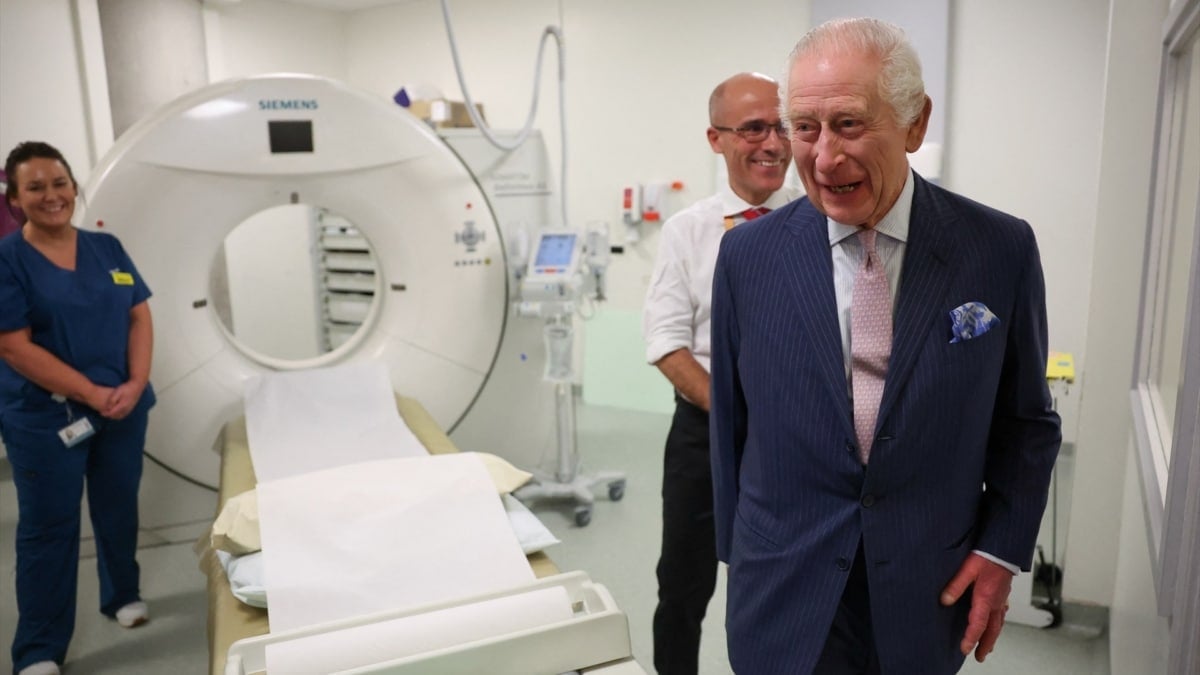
(555, 250)
(290, 135)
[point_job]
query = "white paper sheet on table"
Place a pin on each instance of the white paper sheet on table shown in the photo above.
(308, 420)
(383, 535)
(397, 638)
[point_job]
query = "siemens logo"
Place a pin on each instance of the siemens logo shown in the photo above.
(282, 104)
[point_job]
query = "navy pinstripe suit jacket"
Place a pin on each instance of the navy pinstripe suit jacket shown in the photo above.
(965, 442)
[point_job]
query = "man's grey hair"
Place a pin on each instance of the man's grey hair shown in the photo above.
(900, 82)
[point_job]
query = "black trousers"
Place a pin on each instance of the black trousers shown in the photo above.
(850, 645)
(687, 566)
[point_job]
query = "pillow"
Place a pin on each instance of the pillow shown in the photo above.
(236, 528)
(506, 476)
(245, 574)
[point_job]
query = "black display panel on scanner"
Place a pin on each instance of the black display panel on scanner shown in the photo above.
(290, 136)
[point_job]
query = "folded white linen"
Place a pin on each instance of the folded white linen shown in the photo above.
(248, 581)
(530, 531)
(382, 535)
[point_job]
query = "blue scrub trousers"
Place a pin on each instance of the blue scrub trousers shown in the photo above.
(49, 478)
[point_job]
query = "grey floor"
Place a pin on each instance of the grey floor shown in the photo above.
(619, 549)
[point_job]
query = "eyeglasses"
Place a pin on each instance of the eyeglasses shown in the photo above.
(757, 131)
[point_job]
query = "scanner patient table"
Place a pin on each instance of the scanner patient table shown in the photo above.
(229, 619)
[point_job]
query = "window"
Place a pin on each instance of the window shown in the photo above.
(1166, 391)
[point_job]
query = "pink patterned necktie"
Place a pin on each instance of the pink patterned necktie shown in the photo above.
(870, 341)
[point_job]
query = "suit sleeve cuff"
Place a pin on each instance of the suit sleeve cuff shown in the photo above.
(1006, 565)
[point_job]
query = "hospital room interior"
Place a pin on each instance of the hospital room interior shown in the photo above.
(429, 226)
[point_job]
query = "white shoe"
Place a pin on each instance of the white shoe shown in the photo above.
(41, 668)
(133, 614)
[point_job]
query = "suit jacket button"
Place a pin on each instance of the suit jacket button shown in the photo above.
(868, 501)
(851, 448)
(843, 564)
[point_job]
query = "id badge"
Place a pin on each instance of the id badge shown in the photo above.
(76, 432)
(122, 278)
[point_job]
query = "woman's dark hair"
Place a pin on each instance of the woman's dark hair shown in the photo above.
(27, 151)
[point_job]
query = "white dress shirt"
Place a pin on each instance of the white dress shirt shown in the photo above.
(678, 305)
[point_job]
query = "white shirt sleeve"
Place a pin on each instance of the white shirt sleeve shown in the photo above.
(678, 307)
(1006, 565)
(668, 318)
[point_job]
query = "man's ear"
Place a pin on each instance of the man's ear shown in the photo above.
(916, 130)
(714, 140)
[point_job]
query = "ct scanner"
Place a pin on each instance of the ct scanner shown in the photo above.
(175, 184)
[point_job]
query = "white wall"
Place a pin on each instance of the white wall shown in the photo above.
(639, 75)
(1124, 182)
(270, 260)
(1025, 114)
(154, 52)
(927, 23)
(1139, 639)
(43, 97)
(638, 79)
(264, 36)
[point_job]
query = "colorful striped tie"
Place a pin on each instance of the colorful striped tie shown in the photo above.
(870, 341)
(751, 214)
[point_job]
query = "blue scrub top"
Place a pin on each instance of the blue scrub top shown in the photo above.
(80, 316)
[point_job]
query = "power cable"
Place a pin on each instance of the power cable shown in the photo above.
(523, 134)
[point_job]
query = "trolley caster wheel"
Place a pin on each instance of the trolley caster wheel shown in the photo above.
(1056, 614)
(616, 490)
(583, 516)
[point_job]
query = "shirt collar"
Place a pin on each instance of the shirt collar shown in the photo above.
(894, 223)
(732, 205)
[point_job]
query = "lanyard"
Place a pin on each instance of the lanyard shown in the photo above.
(59, 398)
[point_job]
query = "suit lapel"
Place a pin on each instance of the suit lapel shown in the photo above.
(810, 265)
(925, 276)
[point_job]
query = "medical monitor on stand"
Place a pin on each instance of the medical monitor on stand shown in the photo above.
(551, 289)
(556, 256)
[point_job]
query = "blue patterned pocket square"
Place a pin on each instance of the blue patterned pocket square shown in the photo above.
(970, 320)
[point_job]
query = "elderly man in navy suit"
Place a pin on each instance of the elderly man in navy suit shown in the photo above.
(882, 433)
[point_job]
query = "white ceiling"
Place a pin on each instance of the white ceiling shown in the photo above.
(334, 5)
(345, 5)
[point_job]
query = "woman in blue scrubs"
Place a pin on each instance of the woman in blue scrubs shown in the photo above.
(75, 347)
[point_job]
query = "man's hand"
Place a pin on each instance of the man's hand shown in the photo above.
(687, 375)
(989, 602)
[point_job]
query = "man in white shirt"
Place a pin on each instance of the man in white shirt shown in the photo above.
(745, 128)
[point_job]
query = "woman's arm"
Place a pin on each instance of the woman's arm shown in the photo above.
(141, 348)
(46, 370)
